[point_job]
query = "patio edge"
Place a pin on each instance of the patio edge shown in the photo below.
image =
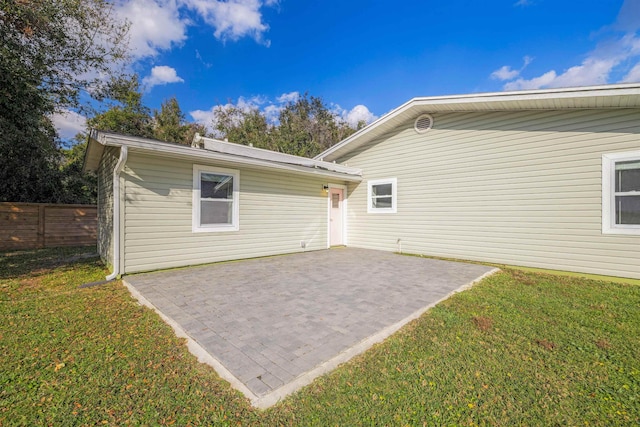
(196, 349)
(270, 399)
(307, 378)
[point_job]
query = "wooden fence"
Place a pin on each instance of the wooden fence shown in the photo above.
(44, 225)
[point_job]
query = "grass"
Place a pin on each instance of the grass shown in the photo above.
(520, 348)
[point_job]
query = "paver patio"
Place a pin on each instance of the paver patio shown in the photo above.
(271, 325)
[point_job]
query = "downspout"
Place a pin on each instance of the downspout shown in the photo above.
(116, 213)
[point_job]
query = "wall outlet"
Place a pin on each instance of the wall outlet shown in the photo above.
(303, 244)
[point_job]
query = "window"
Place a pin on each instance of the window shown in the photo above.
(621, 193)
(382, 196)
(215, 199)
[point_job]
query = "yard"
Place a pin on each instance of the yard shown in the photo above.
(519, 348)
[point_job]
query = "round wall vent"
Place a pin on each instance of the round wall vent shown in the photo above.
(423, 123)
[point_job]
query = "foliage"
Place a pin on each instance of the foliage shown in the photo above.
(127, 114)
(28, 160)
(244, 126)
(77, 187)
(60, 46)
(50, 50)
(519, 348)
(305, 127)
(191, 130)
(169, 124)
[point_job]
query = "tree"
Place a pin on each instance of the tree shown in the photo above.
(50, 51)
(62, 46)
(306, 127)
(77, 187)
(192, 130)
(169, 124)
(247, 127)
(29, 159)
(127, 114)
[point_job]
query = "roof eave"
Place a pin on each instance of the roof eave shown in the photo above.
(174, 150)
(540, 99)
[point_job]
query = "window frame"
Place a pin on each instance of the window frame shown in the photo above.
(196, 227)
(394, 196)
(609, 193)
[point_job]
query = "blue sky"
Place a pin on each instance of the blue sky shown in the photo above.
(365, 58)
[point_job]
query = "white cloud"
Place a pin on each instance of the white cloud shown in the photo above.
(155, 25)
(507, 73)
(246, 104)
(201, 59)
(204, 117)
(633, 75)
(69, 123)
(523, 3)
(628, 19)
(288, 97)
(233, 19)
(161, 75)
(357, 114)
(615, 58)
(272, 110)
(159, 25)
(272, 113)
(596, 69)
(535, 83)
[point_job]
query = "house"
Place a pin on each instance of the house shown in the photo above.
(163, 205)
(542, 178)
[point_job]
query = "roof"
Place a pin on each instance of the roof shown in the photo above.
(273, 156)
(207, 149)
(592, 97)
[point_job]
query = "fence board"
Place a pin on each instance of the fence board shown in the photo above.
(43, 225)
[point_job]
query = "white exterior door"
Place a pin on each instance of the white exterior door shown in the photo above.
(336, 225)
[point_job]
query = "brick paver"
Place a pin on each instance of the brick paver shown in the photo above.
(270, 320)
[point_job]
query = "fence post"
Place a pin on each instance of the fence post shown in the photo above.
(40, 243)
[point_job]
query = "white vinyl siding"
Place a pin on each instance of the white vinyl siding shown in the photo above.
(522, 188)
(105, 203)
(276, 212)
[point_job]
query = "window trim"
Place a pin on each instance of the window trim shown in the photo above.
(394, 193)
(609, 194)
(195, 210)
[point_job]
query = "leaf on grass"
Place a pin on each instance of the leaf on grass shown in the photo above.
(483, 323)
(59, 366)
(547, 345)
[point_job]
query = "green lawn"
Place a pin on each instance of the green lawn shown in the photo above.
(520, 348)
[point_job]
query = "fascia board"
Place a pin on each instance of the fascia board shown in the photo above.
(200, 154)
(561, 99)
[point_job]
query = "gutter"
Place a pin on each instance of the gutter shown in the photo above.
(116, 212)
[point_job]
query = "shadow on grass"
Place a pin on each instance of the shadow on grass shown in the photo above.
(37, 262)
